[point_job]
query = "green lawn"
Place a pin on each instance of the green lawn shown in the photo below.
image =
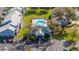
(27, 20)
(23, 32)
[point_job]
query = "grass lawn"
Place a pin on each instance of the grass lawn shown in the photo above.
(23, 32)
(27, 20)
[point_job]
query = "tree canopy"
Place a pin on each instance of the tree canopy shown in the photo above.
(68, 12)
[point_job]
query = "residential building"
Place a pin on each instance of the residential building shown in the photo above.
(11, 24)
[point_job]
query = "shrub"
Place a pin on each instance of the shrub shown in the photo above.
(32, 38)
(74, 18)
(30, 12)
(45, 8)
(50, 16)
(33, 8)
(47, 36)
(42, 12)
(74, 48)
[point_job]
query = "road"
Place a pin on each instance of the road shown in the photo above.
(8, 46)
(56, 46)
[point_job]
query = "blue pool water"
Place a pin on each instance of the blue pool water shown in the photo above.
(40, 23)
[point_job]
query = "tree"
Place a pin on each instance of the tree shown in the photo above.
(47, 8)
(32, 38)
(30, 12)
(56, 28)
(58, 11)
(33, 8)
(47, 37)
(0, 19)
(43, 12)
(74, 48)
(73, 36)
(50, 16)
(68, 12)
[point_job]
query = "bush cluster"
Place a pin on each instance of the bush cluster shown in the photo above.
(30, 12)
(42, 12)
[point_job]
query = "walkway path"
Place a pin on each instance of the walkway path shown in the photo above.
(75, 22)
(8, 46)
(56, 46)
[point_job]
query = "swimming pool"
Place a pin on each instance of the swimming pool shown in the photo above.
(40, 23)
